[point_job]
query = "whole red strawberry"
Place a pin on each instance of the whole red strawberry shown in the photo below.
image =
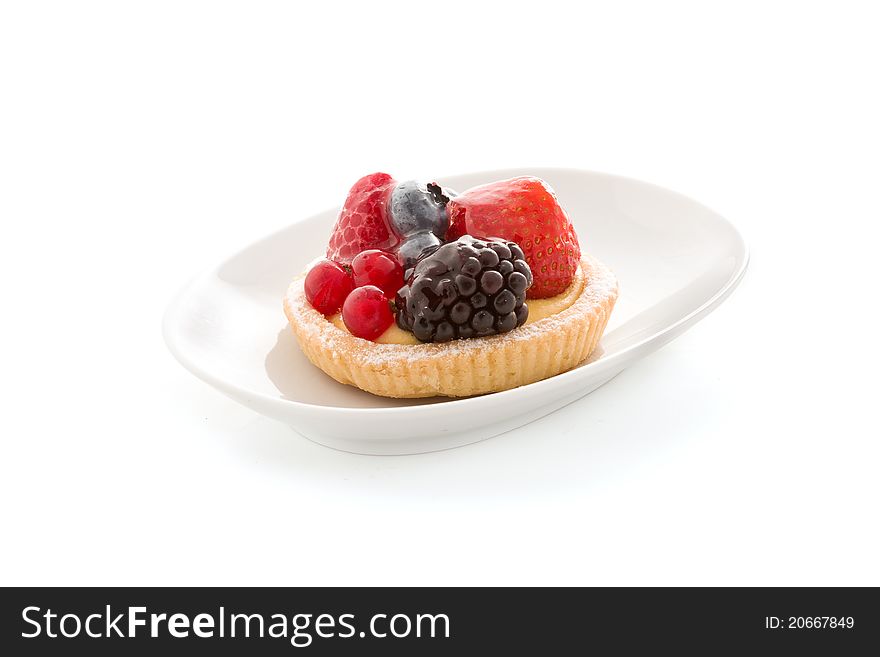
(362, 223)
(523, 210)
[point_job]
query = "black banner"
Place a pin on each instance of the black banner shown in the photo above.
(418, 621)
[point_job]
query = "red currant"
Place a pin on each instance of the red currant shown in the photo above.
(375, 267)
(367, 312)
(327, 285)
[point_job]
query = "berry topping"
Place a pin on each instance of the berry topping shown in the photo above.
(327, 285)
(524, 210)
(363, 221)
(374, 267)
(367, 312)
(467, 288)
(414, 246)
(417, 212)
(417, 207)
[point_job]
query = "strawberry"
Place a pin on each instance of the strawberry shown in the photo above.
(523, 210)
(363, 222)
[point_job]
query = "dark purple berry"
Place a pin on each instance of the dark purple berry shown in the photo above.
(444, 333)
(503, 251)
(466, 284)
(491, 281)
(488, 258)
(471, 267)
(460, 313)
(523, 268)
(463, 289)
(482, 320)
(517, 282)
(506, 323)
(505, 302)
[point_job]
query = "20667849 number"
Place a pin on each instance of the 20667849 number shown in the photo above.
(809, 622)
(819, 622)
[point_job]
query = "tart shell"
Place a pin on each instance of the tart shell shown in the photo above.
(459, 368)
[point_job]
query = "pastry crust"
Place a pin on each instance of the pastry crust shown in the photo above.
(460, 368)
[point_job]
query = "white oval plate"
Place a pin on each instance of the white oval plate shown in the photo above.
(675, 260)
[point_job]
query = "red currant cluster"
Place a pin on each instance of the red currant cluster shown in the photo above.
(363, 290)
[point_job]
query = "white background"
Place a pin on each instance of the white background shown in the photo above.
(140, 143)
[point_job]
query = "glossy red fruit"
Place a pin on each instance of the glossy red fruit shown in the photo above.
(363, 221)
(367, 312)
(327, 285)
(523, 210)
(374, 267)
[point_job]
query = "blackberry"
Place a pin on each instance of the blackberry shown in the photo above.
(466, 288)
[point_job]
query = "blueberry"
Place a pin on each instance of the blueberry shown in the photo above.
(417, 207)
(412, 247)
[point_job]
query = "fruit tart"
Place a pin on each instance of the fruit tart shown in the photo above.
(426, 292)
